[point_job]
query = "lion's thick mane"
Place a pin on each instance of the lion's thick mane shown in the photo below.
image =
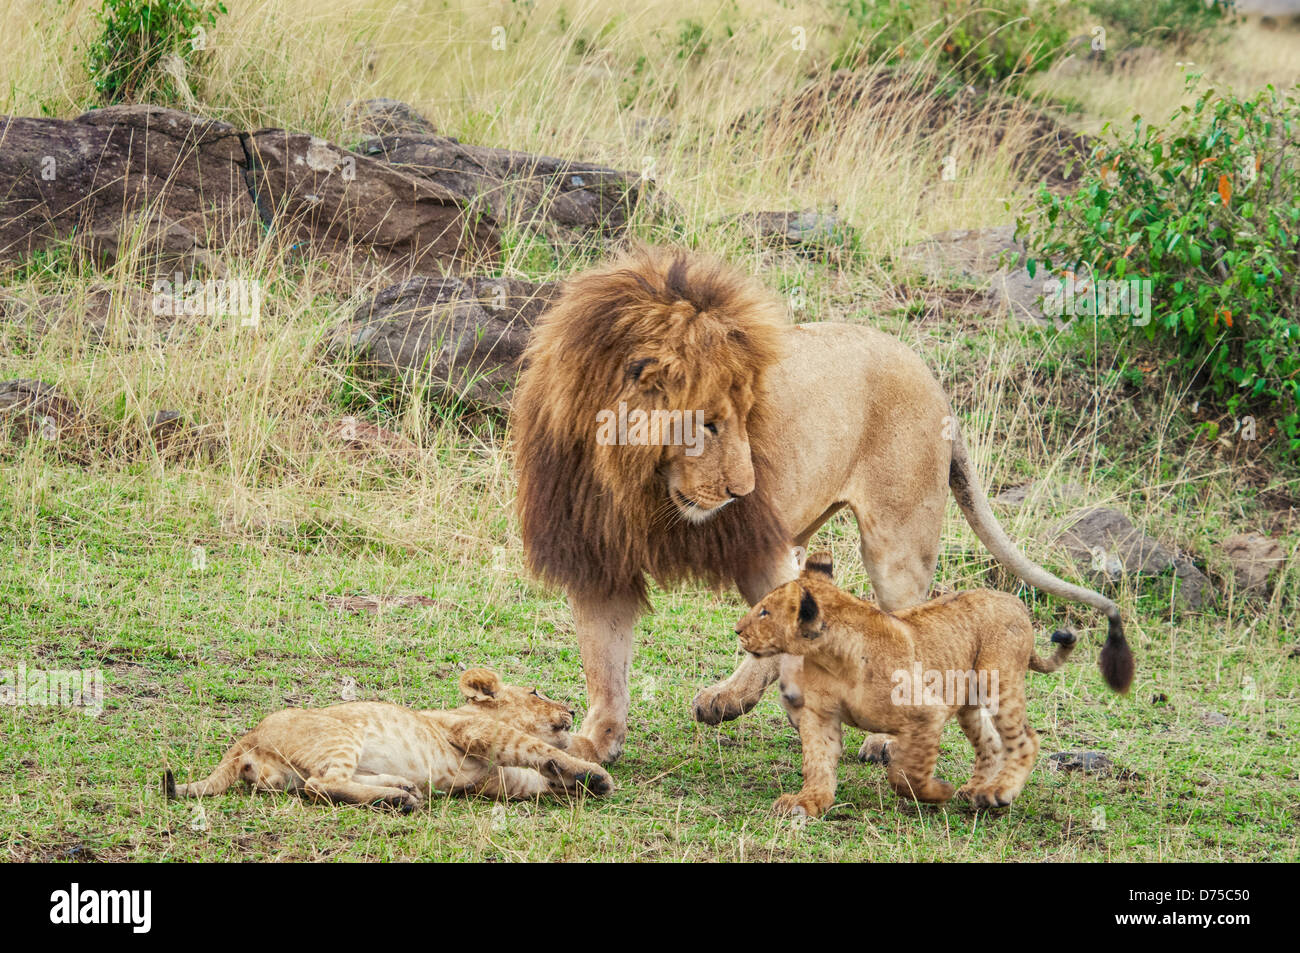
(596, 519)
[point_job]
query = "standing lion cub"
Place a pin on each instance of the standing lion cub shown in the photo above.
(504, 742)
(904, 673)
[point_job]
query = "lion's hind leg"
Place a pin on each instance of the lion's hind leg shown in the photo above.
(900, 550)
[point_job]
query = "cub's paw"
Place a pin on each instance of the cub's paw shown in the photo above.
(877, 749)
(406, 803)
(805, 805)
(719, 703)
(989, 799)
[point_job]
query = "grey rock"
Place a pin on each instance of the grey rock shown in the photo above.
(560, 198)
(976, 256)
(809, 229)
(464, 338)
(1107, 542)
(1088, 762)
(385, 117)
(1255, 558)
(31, 408)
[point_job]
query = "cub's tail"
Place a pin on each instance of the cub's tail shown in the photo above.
(1116, 661)
(224, 776)
(1064, 640)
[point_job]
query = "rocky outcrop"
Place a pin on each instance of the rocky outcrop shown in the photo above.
(175, 188)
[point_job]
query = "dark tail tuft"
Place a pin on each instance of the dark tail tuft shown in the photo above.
(1116, 660)
(169, 784)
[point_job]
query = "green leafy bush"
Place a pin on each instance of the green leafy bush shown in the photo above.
(1206, 207)
(1171, 22)
(137, 35)
(980, 42)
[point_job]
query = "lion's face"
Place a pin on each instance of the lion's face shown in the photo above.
(706, 477)
(523, 708)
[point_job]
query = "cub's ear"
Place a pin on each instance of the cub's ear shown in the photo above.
(821, 562)
(643, 372)
(480, 684)
(808, 613)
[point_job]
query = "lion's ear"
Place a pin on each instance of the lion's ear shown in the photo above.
(643, 372)
(808, 613)
(480, 684)
(821, 562)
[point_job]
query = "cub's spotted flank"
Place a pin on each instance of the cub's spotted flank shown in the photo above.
(505, 742)
(870, 668)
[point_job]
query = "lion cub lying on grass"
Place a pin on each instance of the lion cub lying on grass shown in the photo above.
(873, 669)
(505, 742)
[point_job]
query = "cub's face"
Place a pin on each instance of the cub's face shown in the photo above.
(716, 469)
(772, 627)
(788, 620)
(523, 708)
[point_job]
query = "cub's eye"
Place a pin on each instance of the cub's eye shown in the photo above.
(763, 613)
(712, 428)
(562, 726)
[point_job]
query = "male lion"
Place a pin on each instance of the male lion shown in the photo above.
(798, 421)
(906, 673)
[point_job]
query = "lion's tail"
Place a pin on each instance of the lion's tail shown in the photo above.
(1064, 640)
(226, 773)
(1116, 661)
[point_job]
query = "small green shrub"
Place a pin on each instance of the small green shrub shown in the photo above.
(980, 43)
(1206, 207)
(126, 58)
(1167, 22)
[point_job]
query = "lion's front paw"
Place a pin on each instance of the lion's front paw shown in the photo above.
(598, 741)
(719, 703)
(808, 805)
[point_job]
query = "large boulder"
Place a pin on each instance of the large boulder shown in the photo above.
(462, 338)
(114, 171)
(310, 191)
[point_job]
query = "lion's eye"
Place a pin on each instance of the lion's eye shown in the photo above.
(763, 613)
(711, 428)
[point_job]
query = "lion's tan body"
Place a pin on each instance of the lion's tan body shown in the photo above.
(804, 421)
(905, 674)
(505, 742)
